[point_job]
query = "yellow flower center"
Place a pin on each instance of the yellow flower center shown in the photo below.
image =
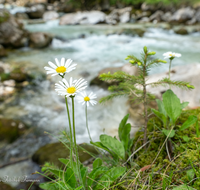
(61, 69)
(171, 55)
(71, 90)
(86, 99)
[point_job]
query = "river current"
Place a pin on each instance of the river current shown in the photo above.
(93, 48)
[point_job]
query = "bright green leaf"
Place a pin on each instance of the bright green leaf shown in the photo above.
(97, 163)
(166, 132)
(190, 121)
(161, 116)
(161, 107)
(190, 174)
(172, 105)
(70, 178)
(114, 145)
(186, 138)
(184, 104)
(183, 187)
(121, 126)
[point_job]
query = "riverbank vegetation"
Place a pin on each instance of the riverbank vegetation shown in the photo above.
(163, 154)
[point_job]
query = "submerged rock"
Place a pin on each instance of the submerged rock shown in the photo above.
(51, 153)
(133, 31)
(181, 31)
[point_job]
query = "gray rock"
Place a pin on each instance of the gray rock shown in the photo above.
(39, 40)
(22, 16)
(166, 17)
(197, 16)
(12, 33)
(156, 16)
(182, 15)
(50, 15)
(181, 31)
(36, 11)
(188, 73)
(86, 17)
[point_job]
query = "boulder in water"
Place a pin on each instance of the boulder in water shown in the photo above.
(36, 11)
(50, 15)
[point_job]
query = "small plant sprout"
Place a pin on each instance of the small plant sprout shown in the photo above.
(60, 68)
(171, 56)
(87, 100)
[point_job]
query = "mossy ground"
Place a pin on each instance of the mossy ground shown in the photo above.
(185, 155)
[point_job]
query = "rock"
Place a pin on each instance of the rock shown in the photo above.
(10, 129)
(50, 15)
(197, 16)
(188, 73)
(36, 21)
(86, 17)
(36, 11)
(51, 153)
(156, 16)
(182, 15)
(39, 40)
(12, 33)
(7, 88)
(21, 16)
(119, 15)
(3, 52)
(181, 31)
(166, 17)
(5, 186)
(128, 68)
(148, 7)
(133, 31)
(144, 20)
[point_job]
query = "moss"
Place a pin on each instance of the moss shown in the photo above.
(4, 16)
(51, 153)
(184, 152)
(5, 186)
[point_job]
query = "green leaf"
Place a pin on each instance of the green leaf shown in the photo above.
(186, 138)
(121, 126)
(172, 105)
(56, 172)
(64, 161)
(166, 132)
(183, 187)
(97, 163)
(184, 104)
(190, 121)
(197, 129)
(126, 135)
(161, 107)
(84, 171)
(100, 145)
(79, 188)
(130, 144)
(96, 173)
(70, 178)
(161, 116)
(114, 145)
(190, 174)
(109, 177)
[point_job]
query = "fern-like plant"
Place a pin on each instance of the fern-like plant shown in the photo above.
(136, 86)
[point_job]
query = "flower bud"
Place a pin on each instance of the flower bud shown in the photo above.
(162, 61)
(152, 53)
(132, 61)
(139, 63)
(127, 58)
(190, 86)
(145, 49)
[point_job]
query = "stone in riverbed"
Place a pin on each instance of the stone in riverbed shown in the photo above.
(35, 11)
(133, 31)
(39, 40)
(10, 129)
(181, 31)
(51, 153)
(85, 17)
(50, 15)
(12, 33)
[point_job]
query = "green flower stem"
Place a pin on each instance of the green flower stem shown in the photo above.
(71, 137)
(75, 145)
(170, 64)
(87, 121)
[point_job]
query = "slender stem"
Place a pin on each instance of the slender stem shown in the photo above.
(71, 137)
(145, 101)
(75, 145)
(87, 122)
(170, 63)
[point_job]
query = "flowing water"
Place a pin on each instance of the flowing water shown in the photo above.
(92, 52)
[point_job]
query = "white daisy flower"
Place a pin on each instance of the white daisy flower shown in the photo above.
(60, 68)
(70, 89)
(87, 99)
(171, 55)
